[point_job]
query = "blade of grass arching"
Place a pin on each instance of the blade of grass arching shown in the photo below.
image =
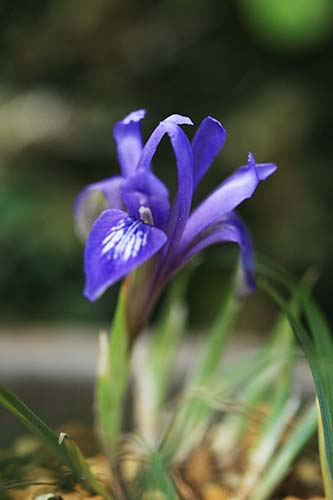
(167, 335)
(282, 406)
(155, 479)
(217, 337)
(194, 413)
(261, 453)
(279, 351)
(280, 465)
(321, 362)
(39, 428)
(197, 407)
(152, 370)
(81, 466)
(320, 368)
(269, 269)
(35, 424)
(321, 336)
(112, 378)
(327, 478)
(235, 425)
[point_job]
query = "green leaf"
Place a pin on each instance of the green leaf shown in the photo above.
(81, 467)
(217, 338)
(192, 417)
(112, 378)
(153, 365)
(317, 343)
(282, 460)
(156, 479)
(71, 457)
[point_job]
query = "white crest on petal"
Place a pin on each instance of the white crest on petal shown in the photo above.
(124, 241)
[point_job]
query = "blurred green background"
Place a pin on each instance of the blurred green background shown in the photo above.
(70, 69)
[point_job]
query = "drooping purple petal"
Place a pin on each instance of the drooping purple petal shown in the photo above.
(127, 134)
(151, 145)
(92, 200)
(207, 143)
(117, 244)
(184, 160)
(226, 197)
(145, 195)
(229, 229)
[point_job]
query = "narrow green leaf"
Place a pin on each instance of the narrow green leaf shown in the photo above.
(166, 337)
(156, 479)
(327, 478)
(261, 453)
(280, 465)
(112, 378)
(82, 468)
(35, 424)
(317, 345)
(217, 338)
(74, 461)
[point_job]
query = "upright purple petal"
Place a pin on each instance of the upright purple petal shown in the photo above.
(229, 229)
(184, 160)
(146, 196)
(117, 244)
(127, 134)
(207, 143)
(92, 200)
(224, 199)
(151, 145)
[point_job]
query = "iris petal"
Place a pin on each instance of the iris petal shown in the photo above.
(235, 189)
(117, 244)
(207, 143)
(184, 160)
(127, 134)
(92, 200)
(151, 145)
(145, 190)
(229, 229)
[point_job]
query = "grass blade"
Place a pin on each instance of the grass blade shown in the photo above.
(155, 480)
(152, 366)
(112, 378)
(74, 461)
(317, 344)
(279, 466)
(217, 339)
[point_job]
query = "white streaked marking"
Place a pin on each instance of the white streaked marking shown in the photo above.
(124, 241)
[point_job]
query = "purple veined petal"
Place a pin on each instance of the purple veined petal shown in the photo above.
(184, 160)
(207, 143)
(146, 196)
(235, 189)
(229, 229)
(263, 170)
(92, 200)
(117, 244)
(127, 134)
(151, 145)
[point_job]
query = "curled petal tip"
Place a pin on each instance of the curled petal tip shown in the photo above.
(264, 170)
(134, 116)
(178, 120)
(214, 120)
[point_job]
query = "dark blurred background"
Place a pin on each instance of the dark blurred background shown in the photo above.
(70, 69)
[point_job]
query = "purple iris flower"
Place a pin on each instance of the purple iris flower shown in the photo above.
(139, 224)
